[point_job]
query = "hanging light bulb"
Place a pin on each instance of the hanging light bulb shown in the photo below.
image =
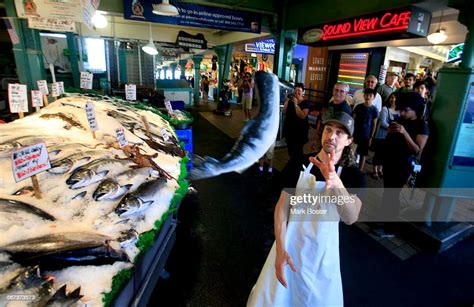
(150, 48)
(440, 35)
(165, 9)
(99, 21)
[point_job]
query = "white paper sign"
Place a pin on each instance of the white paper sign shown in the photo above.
(52, 24)
(18, 98)
(36, 98)
(29, 161)
(120, 134)
(12, 31)
(86, 80)
(130, 92)
(91, 116)
(61, 87)
(43, 87)
(168, 107)
(55, 89)
(164, 134)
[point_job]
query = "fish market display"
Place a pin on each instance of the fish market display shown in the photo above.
(257, 135)
(96, 199)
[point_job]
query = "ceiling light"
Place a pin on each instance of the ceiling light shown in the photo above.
(150, 48)
(437, 37)
(440, 35)
(165, 9)
(99, 21)
(253, 55)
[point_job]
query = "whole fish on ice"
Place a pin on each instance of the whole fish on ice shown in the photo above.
(137, 202)
(110, 189)
(256, 137)
(18, 207)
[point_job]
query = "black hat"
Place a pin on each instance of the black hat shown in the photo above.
(343, 119)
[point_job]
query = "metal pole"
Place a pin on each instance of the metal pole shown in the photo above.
(117, 57)
(140, 64)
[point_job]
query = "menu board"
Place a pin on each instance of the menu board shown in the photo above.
(352, 70)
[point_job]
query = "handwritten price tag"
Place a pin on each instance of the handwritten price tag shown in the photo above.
(37, 98)
(55, 89)
(120, 134)
(91, 116)
(17, 98)
(130, 92)
(43, 87)
(86, 80)
(165, 134)
(29, 161)
(168, 107)
(61, 87)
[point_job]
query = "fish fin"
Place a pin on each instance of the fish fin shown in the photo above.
(148, 202)
(205, 169)
(80, 195)
(103, 173)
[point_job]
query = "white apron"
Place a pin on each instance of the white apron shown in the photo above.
(314, 248)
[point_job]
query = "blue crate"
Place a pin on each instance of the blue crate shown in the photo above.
(186, 136)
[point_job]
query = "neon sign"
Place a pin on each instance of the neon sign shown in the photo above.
(393, 24)
(455, 53)
(264, 46)
(365, 26)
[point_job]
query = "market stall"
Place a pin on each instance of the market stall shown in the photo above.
(101, 212)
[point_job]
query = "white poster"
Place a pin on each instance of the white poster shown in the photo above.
(36, 98)
(120, 134)
(55, 89)
(29, 161)
(62, 9)
(18, 98)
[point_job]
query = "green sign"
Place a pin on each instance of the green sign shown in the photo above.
(455, 53)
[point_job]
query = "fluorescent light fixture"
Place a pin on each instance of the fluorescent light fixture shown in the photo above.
(58, 35)
(437, 37)
(165, 9)
(99, 21)
(150, 48)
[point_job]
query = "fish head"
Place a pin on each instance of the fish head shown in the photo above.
(127, 205)
(61, 167)
(79, 178)
(127, 238)
(106, 188)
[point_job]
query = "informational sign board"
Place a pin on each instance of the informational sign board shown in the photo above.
(464, 150)
(91, 116)
(18, 98)
(195, 15)
(165, 134)
(86, 80)
(56, 89)
(29, 161)
(131, 91)
(52, 24)
(61, 87)
(263, 46)
(62, 9)
(187, 40)
(120, 134)
(43, 87)
(36, 98)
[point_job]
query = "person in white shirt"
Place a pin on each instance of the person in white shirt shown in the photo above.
(370, 82)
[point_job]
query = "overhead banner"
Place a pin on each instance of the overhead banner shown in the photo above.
(397, 23)
(194, 15)
(264, 46)
(52, 24)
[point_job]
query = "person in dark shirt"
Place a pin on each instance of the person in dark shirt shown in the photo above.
(406, 138)
(295, 127)
(365, 117)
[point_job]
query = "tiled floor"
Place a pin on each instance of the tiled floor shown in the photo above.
(410, 199)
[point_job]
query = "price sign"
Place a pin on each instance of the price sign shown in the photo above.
(91, 116)
(130, 92)
(18, 98)
(43, 87)
(86, 80)
(120, 134)
(55, 89)
(61, 87)
(168, 107)
(165, 134)
(29, 161)
(37, 98)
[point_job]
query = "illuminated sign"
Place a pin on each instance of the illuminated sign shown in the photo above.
(265, 46)
(455, 54)
(394, 24)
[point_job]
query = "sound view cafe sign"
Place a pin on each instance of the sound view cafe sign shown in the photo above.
(396, 23)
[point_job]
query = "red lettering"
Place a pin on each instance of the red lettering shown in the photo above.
(405, 18)
(383, 20)
(396, 20)
(331, 30)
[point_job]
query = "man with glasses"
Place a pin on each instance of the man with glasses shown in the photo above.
(338, 102)
(370, 82)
